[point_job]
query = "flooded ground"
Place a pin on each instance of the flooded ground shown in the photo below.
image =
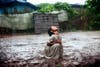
(78, 47)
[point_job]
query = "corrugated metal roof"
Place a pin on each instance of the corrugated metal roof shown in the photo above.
(8, 1)
(13, 3)
(76, 5)
(5, 1)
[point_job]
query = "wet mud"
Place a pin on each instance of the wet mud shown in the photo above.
(81, 49)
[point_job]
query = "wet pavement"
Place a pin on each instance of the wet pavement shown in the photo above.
(77, 46)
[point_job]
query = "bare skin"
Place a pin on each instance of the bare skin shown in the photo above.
(55, 31)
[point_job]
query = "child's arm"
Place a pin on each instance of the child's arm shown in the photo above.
(51, 41)
(59, 41)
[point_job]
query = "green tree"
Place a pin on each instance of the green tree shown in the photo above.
(93, 13)
(65, 6)
(45, 7)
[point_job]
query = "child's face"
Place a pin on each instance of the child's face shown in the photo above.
(55, 31)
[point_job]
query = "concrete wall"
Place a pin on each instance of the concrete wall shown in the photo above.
(17, 21)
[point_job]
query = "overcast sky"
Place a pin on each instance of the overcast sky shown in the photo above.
(54, 1)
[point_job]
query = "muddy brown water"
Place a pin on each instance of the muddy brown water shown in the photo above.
(79, 48)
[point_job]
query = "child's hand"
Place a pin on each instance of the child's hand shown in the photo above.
(59, 41)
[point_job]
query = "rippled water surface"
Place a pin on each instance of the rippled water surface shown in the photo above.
(76, 45)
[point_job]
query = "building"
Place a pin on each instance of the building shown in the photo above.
(14, 11)
(43, 21)
(16, 7)
(21, 11)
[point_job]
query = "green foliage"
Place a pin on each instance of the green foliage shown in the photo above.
(93, 13)
(64, 6)
(45, 8)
